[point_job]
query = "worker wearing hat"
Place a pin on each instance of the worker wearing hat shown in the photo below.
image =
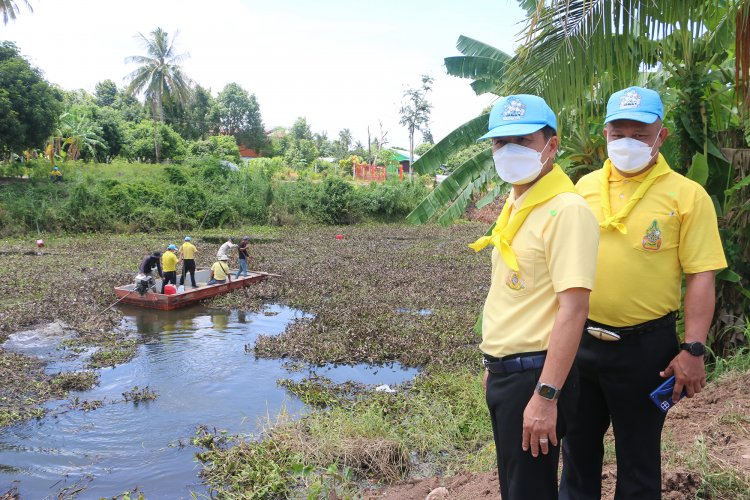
(243, 254)
(55, 175)
(543, 257)
(169, 264)
(187, 254)
(220, 271)
(656, 226)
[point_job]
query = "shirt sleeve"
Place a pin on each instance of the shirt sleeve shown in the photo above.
(571, 244)
(700, 246)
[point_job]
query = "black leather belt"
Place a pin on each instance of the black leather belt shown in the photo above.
(604, 332)
(513, 364)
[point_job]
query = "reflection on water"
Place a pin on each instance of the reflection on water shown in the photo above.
(195, 360)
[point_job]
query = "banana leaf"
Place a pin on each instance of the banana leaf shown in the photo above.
(463, 136)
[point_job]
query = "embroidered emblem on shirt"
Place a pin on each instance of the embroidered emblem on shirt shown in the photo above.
(514, 281)
(630, 100)
(652, 238)
(514, 110)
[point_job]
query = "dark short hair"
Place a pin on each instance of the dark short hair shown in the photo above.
(548, 132)
(156, 254)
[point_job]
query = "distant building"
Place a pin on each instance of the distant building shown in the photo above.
(248, 153)
(402, 157)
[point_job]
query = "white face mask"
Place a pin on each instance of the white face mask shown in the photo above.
(517, 164)
(630, 155)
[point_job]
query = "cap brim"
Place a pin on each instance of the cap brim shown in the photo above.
(514, 129)
(639, 116)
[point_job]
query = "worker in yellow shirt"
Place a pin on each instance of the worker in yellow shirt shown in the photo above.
(187, 255)
(656, 226)
(169, 265)
(543, 261)
(220, 271)
(55, 175)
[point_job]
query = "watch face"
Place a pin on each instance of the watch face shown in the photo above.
(547, 392)
(695, 348)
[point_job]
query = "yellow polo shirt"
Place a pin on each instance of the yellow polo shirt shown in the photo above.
(220, 270)
(169, 261)
(188, 250)
(671, 230)
(556, 250)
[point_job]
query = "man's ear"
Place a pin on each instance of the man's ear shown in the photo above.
(663, 134)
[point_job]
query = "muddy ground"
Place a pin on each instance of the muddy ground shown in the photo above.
(708, 435)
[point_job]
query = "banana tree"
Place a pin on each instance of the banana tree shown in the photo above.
(576, 53)
(485, 65)
(77, 134)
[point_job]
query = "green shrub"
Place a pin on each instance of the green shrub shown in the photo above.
(336, 202)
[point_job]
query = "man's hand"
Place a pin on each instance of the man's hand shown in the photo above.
(484, 380)
(539, 425)
(689, 372)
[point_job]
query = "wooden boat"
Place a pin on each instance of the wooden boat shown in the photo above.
(127, 294)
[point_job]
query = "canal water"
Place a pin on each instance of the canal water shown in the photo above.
(200, 363)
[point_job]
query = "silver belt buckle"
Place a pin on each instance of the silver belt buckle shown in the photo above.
(603, 334)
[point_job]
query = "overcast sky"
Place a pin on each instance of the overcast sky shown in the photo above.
(339, 63)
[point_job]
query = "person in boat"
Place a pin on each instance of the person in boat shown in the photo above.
(220, 271)
(169, 264)
(145, 279)
(150, 262)
(187, 255)
(225, 248)
(242, 250)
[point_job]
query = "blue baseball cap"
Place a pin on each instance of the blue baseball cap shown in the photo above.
(519, 114)
(187, 238)
(635, 103)
(172, 246)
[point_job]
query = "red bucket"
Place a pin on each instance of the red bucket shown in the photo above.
(170, 289)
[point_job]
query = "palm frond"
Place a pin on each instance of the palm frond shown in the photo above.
(580, 50)
(460, 138)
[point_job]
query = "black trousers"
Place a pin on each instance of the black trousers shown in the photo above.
(616, 379)
(188, 266)
(523, 477)
(169, 277)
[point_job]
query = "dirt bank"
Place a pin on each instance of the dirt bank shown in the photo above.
(706, 452)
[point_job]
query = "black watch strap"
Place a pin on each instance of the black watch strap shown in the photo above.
(694, 348)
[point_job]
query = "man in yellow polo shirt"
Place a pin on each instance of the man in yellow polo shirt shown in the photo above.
(543, 262)
(169, 264)
(220, 271)
(656, 225)
(187, 254)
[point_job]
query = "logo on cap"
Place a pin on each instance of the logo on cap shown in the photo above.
(630, 100)
(514, 110)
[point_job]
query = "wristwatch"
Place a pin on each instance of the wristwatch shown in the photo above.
(694, 348)
(547, 391)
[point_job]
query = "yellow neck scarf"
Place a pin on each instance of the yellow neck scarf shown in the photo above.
(546, 188)
(610, 221)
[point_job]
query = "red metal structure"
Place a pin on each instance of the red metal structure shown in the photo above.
(365, 172)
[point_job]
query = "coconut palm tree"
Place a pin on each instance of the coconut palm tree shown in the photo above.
(10, 10)
(160, 77)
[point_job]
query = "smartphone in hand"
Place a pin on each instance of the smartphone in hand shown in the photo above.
(662, 395)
